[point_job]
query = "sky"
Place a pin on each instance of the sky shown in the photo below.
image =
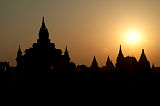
(88, 27)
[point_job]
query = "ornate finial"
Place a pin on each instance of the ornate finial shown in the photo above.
(67, 58)
(142, 51)
(19, 50)
(94, 59)
(19, 47)
(43, 19)
(43, 32)
(120, 54)
(43, 23)
(120, 50)
(66, 49)
(108, 59)
(143, 56)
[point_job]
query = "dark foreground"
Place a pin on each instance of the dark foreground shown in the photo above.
(110, 80)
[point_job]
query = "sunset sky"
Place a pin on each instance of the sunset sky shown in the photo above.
(88, 27)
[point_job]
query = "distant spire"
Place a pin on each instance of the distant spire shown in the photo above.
(43, 23)
(120, 50)
(19, 50)
(19, 59)
(66, 55)
(19, 47)
(143, 56)
(142, 51)
(66, 50)
(94, 64)
(109, 65)
(43, 20)
(19, 53)
(120, 58)
(120, 53)
(108, 59)
(143, 63)
(94, 58)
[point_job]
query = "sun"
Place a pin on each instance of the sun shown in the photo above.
(133, 37)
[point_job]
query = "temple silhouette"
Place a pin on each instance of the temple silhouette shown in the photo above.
(44, 57)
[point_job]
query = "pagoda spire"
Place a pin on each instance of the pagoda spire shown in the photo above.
(94, 62)
(43, 23)
(66, 55)
(109, 65)
(43, 33)
(120, 60)
(19, 50)
(143, 51)
(143, 63)
(143, 56)
(66, 50)
(94, 66)
(108, 60)
(120, 51)
(19, 59)
(120, 54)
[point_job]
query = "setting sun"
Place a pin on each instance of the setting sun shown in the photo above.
(133, 37)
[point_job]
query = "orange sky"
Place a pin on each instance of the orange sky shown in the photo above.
(87, 27)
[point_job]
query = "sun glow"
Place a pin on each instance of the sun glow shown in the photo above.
(133, 37)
